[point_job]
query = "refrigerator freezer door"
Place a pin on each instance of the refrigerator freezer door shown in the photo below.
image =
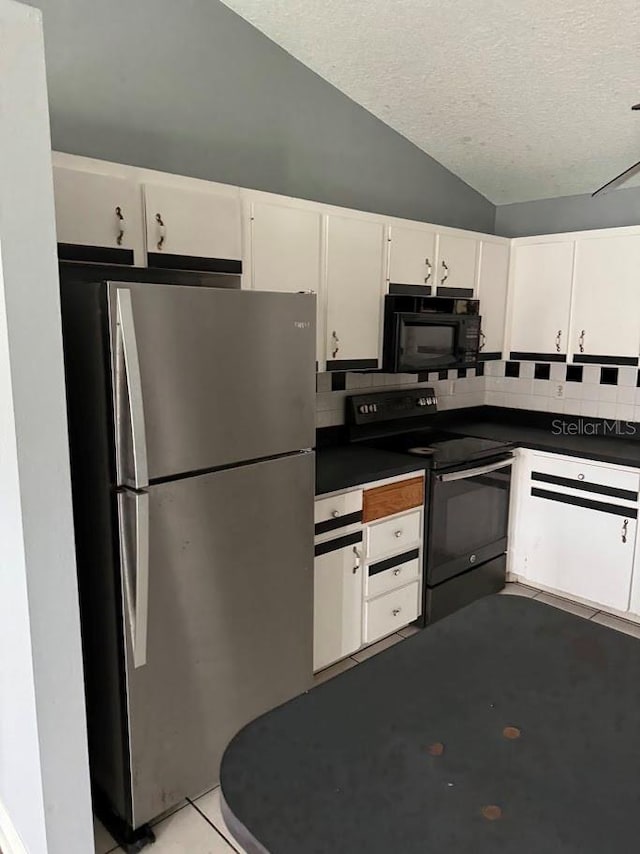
(229, 628)
(207, 377)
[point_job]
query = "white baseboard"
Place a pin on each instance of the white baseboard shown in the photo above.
(10, 842)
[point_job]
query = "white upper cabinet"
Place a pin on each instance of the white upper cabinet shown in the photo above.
(541, 295)
(202, 223)
(457, 262)
(100, 211)
(355, 281)
(494, 278)
(606, 304)
(285, 248)
(412, 256)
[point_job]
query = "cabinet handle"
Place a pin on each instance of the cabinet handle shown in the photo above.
(162, 231)
(445, 274)
(397, 534)
(581, 341)
(397, 571)
(335, 513)
(558, 340)
(625, 526)
(358, 556)
(336, 344)
(429, 269)
(396, 611)
(120, 224)
(483, 340)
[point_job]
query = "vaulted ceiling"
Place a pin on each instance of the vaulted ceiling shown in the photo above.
(523, 99)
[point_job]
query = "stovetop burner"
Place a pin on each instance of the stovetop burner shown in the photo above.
(422, 451)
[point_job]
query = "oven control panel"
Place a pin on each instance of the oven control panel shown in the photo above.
(390, 406)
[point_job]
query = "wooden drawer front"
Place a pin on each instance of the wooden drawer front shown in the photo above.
(583, 473)
(394, 535)
(392, 573)
(391, 612)
(393, 498)
(334, 513)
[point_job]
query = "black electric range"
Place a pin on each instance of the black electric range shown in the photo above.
(466, 500)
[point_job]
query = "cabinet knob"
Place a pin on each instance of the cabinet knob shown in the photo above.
(335, 513)
(120, 225)
(397, 571)
(397, 534)
(396, 611)
(580, 476)
(162, 232)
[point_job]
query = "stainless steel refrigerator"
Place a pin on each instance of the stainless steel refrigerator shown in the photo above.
(191, 413)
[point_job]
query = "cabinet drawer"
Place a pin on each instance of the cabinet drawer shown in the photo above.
(392, 498)
(390, 612)
(338, 512)
(392, 573)
(584, 476)
(394, 535)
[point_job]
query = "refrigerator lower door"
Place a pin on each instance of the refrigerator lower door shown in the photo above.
(228, 628)
(205, 377)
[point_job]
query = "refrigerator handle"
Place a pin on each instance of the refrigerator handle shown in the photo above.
(133, 380)
(134, 551)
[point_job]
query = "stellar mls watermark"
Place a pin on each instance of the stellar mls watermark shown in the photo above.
(587, 427)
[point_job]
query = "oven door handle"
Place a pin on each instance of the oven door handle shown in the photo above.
(467, 473)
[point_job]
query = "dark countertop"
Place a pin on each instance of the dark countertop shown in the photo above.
(340, 465)
(350, 465)
(605, 448)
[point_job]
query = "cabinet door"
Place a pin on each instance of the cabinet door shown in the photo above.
(411, 256)
(355, 278)
(97, 212)
(185, 223)
(337, 616)
(541, 299)
(494, 277)
(457, 262)
(606, 307)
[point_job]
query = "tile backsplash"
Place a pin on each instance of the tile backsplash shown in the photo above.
(590, 390)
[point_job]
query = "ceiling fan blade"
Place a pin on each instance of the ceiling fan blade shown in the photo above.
(619, 179)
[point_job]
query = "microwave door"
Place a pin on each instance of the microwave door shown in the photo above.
(425, 345)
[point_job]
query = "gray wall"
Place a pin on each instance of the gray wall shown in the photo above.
(189, 87)
(569, 213)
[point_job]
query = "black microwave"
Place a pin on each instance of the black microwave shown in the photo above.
(430, 333)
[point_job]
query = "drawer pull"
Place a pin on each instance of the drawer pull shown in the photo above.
(397, 534)
(396, 611)
(397, 571)
(580, 477)
(335, 513)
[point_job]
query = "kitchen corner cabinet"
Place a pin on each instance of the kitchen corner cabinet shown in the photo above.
(541, 298)
(193, 224)
(574, 530)
(355, 281)
(606, 304)
(412, 256)
(98, 212)
(457, 262)
(492, 291)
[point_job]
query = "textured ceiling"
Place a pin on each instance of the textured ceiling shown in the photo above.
(523, 99)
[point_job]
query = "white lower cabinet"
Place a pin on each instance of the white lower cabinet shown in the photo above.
(574, 528)
(337, 612)
(368, 574)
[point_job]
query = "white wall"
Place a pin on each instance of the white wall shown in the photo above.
(44, 784)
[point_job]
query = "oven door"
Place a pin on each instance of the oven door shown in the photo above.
(425, 344)
(468, 518)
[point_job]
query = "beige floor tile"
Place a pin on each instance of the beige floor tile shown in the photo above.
(514, 588)
(188, 832)
(567, 605)
(408, 631)
(103, 839)
(209, 804)
(617, 623)
(377, 647)
(333, 670)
